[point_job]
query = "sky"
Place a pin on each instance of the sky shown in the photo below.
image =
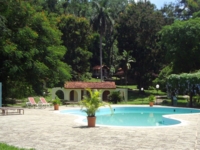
(160, 3)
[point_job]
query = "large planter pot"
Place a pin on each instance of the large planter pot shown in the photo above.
(56, 107)
(151, 104)
(91, 121)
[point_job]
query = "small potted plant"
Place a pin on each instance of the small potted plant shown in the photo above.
(151, 100)
(90, 104)
(56, 102)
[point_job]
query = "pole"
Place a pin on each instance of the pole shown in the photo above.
(100, 47)
(0, 94)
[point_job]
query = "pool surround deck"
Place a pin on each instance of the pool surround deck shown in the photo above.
(43, 129)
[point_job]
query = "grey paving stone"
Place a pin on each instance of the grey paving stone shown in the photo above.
(43, 129)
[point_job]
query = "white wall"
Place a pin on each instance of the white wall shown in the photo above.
(77, 95)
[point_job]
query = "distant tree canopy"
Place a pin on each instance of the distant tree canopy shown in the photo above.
(185, 8)
(44, 43)
(180, 9)
(137, 31)
(31, 52)
(181, 40)
(76, 38)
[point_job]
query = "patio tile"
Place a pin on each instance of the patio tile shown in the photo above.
(43, 129)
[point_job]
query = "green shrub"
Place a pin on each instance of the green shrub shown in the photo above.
(151, 98)
(151, 88)
(56, 101)
(162, 77)
(115, 97)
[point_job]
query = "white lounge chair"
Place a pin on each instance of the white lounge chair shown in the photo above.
(44, 102)
(32, 102)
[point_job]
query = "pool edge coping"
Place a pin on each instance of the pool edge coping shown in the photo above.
(182, 122)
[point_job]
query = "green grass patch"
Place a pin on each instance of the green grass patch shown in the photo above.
(4, 146)
(138, 101)
(136, 97)
(128, 86)
(94, 80)
(155, 92)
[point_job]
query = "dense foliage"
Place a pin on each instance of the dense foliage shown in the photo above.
(31, 51)
(181, 40)
(44, 43)
(76, 38)
(137, 32)
(115, 97)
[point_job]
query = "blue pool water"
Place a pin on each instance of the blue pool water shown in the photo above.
(135, 116)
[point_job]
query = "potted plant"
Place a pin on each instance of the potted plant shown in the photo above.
(151, 100)
(56, 102)
(90, 104)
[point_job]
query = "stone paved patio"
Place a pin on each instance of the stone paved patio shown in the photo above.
(43, 129)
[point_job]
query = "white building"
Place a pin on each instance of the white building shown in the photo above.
(74, 91)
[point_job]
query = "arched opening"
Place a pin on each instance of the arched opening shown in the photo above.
(105, 95)
(60, 94)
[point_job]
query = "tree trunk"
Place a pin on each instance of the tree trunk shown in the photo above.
(126, 75)
(191, 95)
(100, 47)
(172, 101)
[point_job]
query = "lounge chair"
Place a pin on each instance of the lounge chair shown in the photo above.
(44, 102)
(33, 103)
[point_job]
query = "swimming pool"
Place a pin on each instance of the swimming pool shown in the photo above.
(128, 116)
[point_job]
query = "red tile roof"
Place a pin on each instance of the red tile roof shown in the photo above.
(91, 85)
(119, 73)
(99, 67)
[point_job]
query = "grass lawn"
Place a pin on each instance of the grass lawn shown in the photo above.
(94, 80)
(133, 87)
(136, 98)
(4, 146)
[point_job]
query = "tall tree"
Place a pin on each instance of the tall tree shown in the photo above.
(76, 38)
(181, 40)
(115, 8)
(31, 53)
(101, 21)
(126, 62)
(79, 8)
(137, 32)
(183, 9)
(168, 11)
(51, 5)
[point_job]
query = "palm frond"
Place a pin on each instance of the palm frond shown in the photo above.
(92, 102)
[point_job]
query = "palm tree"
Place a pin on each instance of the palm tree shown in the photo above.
(101, 22)
(127, 59)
